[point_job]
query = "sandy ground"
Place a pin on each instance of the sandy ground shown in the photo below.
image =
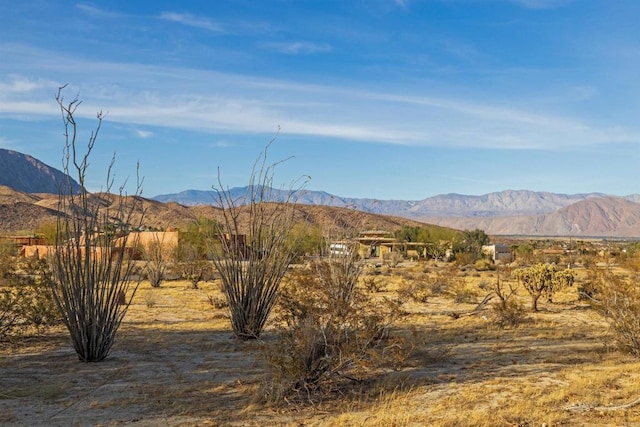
(176, 363)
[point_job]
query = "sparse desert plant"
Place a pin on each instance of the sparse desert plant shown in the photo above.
(9, 310)
(618, 301)
(150, 299)
(588, 286)
(90, 269)
(251, 269)
(195, 271)
(331, 332)
(484, 264)
(415, 290)
(543, 279)
(507, 309)
(461, 293)
(26, 301)
(192, 266)
(157, 255)
(217, 302)
(392, 259)
(373, 284)
(438, 283)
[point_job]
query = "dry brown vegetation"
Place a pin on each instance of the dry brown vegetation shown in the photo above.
(22, 213)
(176, 362)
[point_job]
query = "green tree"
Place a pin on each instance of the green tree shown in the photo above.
(306, 239)
(470, 244)
(195, 240)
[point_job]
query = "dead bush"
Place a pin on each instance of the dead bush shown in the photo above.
(508, 311)
(392, 259)
(461, 293)
(417, 291)
(157, 255)
(484, 264)
(332, 332)
(195, 271)
(217, 302)
(618, 301)
(373, 284)
(441, 283)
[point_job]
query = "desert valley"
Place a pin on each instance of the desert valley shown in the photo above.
(408, 323)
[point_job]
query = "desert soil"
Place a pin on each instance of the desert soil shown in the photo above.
(176, 363)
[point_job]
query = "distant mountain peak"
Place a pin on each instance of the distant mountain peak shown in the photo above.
(27, 174)
(508, 212)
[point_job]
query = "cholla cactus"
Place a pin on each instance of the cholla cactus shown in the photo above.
(543, 279)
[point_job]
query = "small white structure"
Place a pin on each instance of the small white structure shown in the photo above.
(498, 252)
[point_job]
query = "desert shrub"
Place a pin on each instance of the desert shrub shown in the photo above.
(441, 282)
(26, 301)
(157, 255)
(9, 310)
(429, 285)
(484, 285)
(414, 290)
(150, 299)
(461, 293)
(543, 279)
(373, 284)
(587, 288)
(331, 333)
(507, 310)
(484, 264)
(618, 301)
(217, 302)
(252, 255)
(392, 259)
(195, 271)
(91, 273)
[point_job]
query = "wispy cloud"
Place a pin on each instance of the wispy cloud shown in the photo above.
(192, 21)
(541, 4)
(218, 103)
(220, 144)
(401, 3)
(297, 48)
(96, 11)
(19, 83)
(143, 133)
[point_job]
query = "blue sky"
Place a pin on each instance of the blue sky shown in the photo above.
(386, 99)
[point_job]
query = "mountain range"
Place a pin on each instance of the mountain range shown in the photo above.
(29, 184)
(509, 212)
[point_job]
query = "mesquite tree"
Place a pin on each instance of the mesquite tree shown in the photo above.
(91, 272)
(253, 250)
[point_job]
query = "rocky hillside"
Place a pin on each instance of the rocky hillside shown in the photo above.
(29, 175)
(24, 213)
(595, 217)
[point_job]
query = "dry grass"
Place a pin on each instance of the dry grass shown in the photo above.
(176, 362)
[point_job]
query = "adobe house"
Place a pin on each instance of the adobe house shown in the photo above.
(375, 243)
(136, 240)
